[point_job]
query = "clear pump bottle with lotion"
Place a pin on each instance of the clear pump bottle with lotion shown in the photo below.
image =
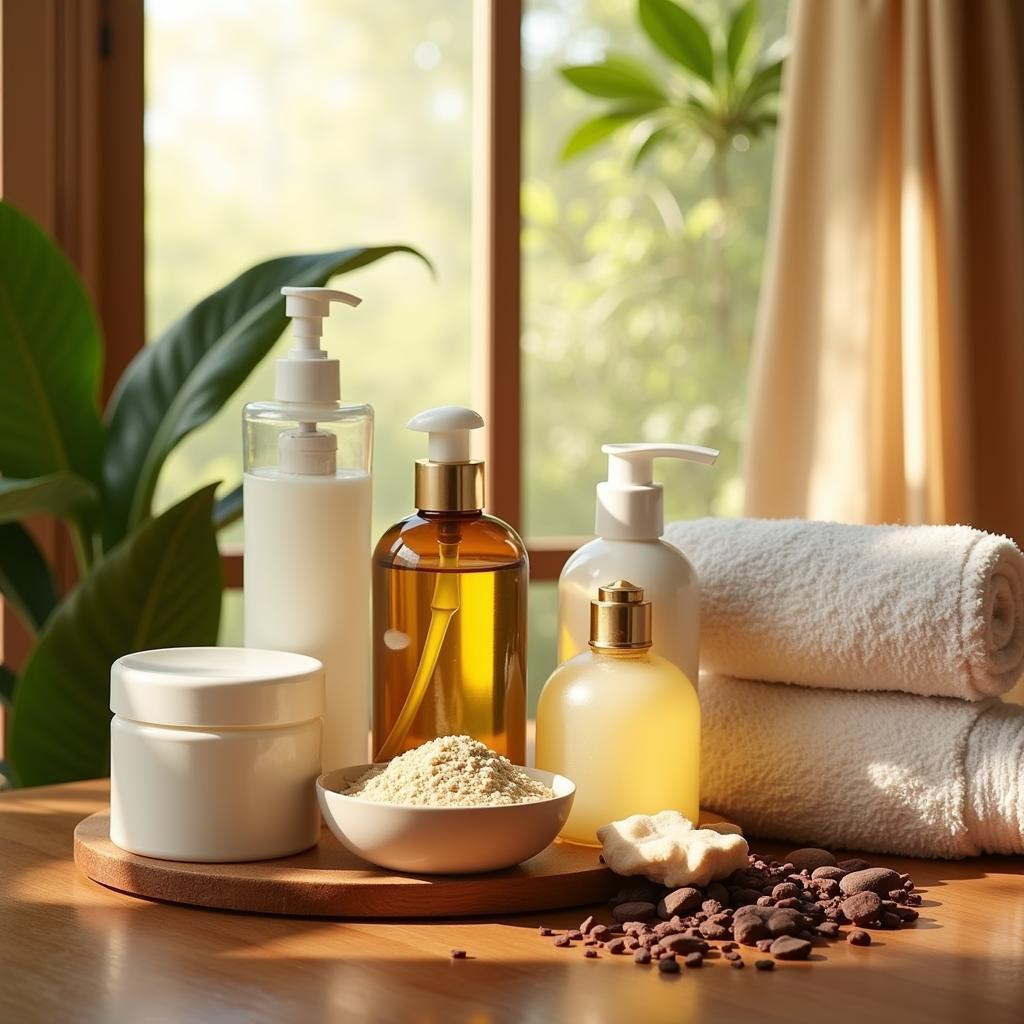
(449, 607)
(307, 498)
(619, 696)
(629, 523)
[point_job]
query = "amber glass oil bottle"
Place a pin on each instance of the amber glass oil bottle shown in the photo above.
(449, 608)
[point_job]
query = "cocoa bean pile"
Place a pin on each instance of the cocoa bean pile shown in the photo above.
(782, 909)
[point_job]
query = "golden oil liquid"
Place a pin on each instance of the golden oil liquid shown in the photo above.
(478, 685)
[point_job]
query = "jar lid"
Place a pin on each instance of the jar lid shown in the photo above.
(215, 687)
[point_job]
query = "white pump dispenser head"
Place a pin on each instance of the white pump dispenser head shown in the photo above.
(448, 428)
(629, 502)
(307, 375)
(308, 378)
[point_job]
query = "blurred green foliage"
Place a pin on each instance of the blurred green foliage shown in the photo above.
(641, 279)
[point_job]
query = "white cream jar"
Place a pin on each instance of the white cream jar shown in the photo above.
(214, 753)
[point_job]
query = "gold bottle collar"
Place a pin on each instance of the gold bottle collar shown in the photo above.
(449, 486)
(620, 618)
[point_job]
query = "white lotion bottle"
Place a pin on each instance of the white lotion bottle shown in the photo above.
(629, 523)
(307, 500)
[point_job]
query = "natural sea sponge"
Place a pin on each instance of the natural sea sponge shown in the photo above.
(666, 848)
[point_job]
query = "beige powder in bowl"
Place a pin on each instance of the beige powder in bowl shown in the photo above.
(451, 771)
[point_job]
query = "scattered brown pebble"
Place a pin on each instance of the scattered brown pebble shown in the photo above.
(784, 890)
(642, 956)
(590, 953)
(854, 864)
(898, 896)
(683, 944)
(601, 932)
(828, 872)
(562, 940)
(913, 899)
(785, 922)
(694, 959)
(738, 962)
(713, 930)
(828, 929)
(858, 938)
(788, 947)
(668, 965)
(877, 880)
(616, 946)
(587, 924)
(764, 944)
(810, 858)
(636, 910)
(890, 922)
(732, 955)
(861, 907)
(680, 901)
(908, 915)
(545, 932)
(575, 934)
(457, 954)
(765, 965)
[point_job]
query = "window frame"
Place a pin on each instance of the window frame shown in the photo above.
(72, 154)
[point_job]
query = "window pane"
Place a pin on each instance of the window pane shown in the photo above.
(640, 285)
(281, 126)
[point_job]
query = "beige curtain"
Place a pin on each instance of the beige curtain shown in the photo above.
(888, 371)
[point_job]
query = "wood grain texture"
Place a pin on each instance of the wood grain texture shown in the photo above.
(330, 881)
(75, 951)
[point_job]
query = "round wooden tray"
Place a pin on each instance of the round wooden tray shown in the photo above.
(329, 881)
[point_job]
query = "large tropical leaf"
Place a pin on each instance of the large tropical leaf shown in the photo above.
(25, 577)
(50, 357)
(161, 587)
(679, 35)
(64, 495)
(178, 383)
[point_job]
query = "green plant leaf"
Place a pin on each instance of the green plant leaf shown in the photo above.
(765, 83)
(617, 78)
(8, 681)
(178, 383)
(64, 495)
(597, 129)
(679, 35)
(227, 509)
(161, 587)
(744, 18)
(655, 139)
(25, 577)
(50, 357)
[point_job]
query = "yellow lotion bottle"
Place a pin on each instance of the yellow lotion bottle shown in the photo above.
(622, 723)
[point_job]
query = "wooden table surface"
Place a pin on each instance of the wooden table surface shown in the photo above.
(71, 950)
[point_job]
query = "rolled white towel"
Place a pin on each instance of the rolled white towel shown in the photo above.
(886, 772)
(935, 610)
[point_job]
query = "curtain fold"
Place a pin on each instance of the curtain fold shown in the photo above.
(888, 369)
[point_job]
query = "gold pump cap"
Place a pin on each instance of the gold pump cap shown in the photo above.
(448, 480)
(620, 618)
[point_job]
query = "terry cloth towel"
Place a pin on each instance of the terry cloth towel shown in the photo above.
(886, 772)
(936, 610)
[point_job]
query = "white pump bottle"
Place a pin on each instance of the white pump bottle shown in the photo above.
(306, 493)
(629, 524)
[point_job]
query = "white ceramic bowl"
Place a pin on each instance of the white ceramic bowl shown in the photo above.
(443, 840)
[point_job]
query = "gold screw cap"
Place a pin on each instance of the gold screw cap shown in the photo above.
(620, 618)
